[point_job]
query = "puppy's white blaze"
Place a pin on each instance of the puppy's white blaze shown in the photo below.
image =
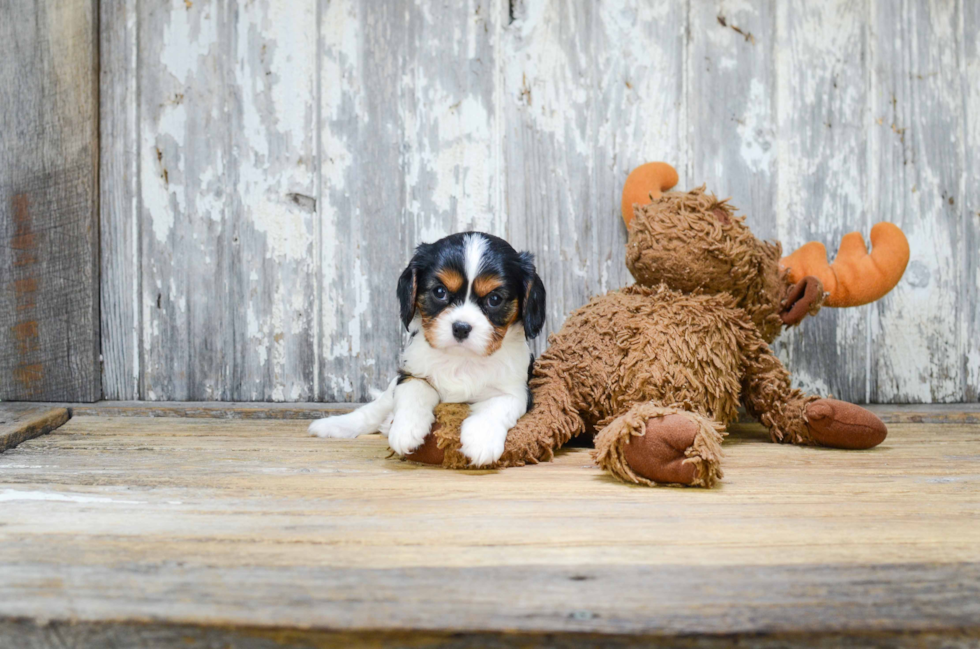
(475, 248)
(477, 340)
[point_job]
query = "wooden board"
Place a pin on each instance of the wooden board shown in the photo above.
(20, 422)
(49, 256)
(255, 257)
(964, 413)
(228, 526)
(119, 200)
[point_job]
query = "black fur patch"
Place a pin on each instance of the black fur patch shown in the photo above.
(530, 373)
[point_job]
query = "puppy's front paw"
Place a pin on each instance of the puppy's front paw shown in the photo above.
(408, 430)
(339, 427)
(482, 441)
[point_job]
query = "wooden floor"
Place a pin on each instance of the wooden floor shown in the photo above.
(136, 531)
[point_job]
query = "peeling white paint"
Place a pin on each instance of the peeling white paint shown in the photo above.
(13, 495)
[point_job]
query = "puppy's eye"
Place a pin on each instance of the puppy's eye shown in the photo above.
(440, 293)
(494, 300)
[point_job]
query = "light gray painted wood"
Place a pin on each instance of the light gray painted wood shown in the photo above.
(49, 300)
(917, 175)
(820, 145)
(969, 220)
(409, 153)
(119, 199)
(731, 94)
(590, 91)
(227, 210)
(309, 147)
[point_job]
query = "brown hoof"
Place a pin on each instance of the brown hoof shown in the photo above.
(429, 452)
(839, 424)
(659, 454)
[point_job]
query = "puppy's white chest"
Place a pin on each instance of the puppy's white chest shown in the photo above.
(464, 382)
(469, 379)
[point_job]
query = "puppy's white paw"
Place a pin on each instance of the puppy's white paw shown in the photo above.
(339, 427)
(408, 430)
(482, 441)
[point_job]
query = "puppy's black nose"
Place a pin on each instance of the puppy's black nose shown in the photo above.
(461, 330)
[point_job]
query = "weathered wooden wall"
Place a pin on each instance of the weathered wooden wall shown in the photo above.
(268, 167)
(49, 233)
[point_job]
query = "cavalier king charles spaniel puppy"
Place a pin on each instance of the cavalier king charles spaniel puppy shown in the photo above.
(470, 303)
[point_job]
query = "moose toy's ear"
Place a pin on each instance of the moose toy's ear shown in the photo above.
(533, 302)
(645, 183)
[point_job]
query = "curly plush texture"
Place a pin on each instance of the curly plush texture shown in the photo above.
(691, 241)
(704, 452)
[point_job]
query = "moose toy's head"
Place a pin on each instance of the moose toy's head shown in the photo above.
(693, 242)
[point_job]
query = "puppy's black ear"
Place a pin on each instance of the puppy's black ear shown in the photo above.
(533, 304)
(407, 291)
(408, 283)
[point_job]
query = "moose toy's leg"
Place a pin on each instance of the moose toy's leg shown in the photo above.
(794, 417)
(650, 444)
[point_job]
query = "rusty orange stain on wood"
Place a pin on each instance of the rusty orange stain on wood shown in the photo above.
(26, 334)
(27, 331)
(30, 376)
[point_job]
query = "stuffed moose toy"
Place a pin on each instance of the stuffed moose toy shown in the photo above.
(657, 370)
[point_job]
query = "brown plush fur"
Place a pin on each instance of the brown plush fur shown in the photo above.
(690, 338)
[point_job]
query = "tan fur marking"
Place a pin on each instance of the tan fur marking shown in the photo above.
(497, 338)
(486, 283)
(451, 279)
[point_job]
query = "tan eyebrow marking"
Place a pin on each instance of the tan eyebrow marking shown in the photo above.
(486, 283)
(451, 279)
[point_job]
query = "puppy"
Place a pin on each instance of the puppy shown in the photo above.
(470, 303)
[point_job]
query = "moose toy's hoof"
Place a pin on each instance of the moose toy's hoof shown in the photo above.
(429, 452)
(659, 455)
(839, 424)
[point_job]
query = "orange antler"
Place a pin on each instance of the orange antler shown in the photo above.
(855, 277)
(644, 182)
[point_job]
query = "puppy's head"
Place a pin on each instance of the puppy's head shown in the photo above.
(468, 290)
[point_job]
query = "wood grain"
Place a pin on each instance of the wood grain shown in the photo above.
(969, 221)
(244, 524)
(49, 300)
(227, 186)
(360, 129)
(409, 153)
(822, 110)
(20, 422)
(917, 174)
(119, 200)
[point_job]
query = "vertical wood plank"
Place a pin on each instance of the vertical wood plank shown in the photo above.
(227, 100)
(549, 90)
(916, 176)
(969, 299)
(119, 226)
(822, 179)
(49, 256)
(591, 90)
(639, 85)
(731, 128)
(408, 139)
